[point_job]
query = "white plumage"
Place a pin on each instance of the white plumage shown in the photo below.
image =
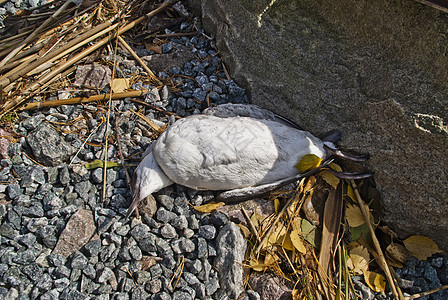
(229, 147)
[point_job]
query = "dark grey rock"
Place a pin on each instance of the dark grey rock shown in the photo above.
(168, 232)
(61, 272)
(48, 146)
(202, 248)
(61, 284)
(156, 271)
(208, 232)
(13, 191)
(166, 201)
(78, 261)
(180, 223)
(64, 175)
(148, 245)
(140, 232)
(182, 245)
(153, 286)
(165, 216)
(25, 257)
(44, 283)
(180, 295)
(50, 295)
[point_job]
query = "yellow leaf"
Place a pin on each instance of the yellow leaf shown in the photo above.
(353, 215)
(360, 258)
(256, 219)
(297, 241)
(119, 85)
(244, 230)
(209, 207)
(335, 167)
(375, 281)
(100, 164)
(287, 243)
(256, 265)
(270, 259)
(421, 246)
(308, 162)
(351, 193)
(330, 178)
(276, 205)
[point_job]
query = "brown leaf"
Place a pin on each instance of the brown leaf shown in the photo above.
(397, 254)
(154, 48)
(209, 207)
(297, 241)
(421, 247)
(244, 230)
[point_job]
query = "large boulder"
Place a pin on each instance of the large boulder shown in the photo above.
(377, 70)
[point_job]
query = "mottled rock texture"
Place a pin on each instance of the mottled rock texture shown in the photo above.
(376, 70)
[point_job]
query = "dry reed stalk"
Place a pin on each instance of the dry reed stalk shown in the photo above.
(384, 266)
(20, 99)
(16, 63)
(35, 33)
(79, 100)
(71, 46)
(147, 69)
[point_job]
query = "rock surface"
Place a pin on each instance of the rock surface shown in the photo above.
(77, 233)
(48, 146)
(375, 70)
(230, 254)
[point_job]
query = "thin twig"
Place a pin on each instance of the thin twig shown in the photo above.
(79, 100)
(147, 69)
(251, 225)
(415, 296)
(384, 265)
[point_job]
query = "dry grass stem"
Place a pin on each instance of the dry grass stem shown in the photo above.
(147, 69)
(384, 266)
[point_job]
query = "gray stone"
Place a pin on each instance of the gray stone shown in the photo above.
(180, 222)
(208, 232)
(77, 233)
(165, 216)
(382, 85)
(47, 145)
(78, 261)
(25, 257)
(231, 250)
(166, 201)
(168, 232)
(140, 232)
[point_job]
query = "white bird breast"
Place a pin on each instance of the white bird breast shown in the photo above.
(205, 152)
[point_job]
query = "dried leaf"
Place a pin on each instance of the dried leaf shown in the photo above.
(270, 259)
(256, 219)
(360, 258)
(297, 241)
(351, 193)
(397, 255)
(354, 216)
(308, 162)
(286, 242)
(375, 281)
(309, 232)
(154, 48)
(335, 167)
(256, 265)
(119, 85)
(330, 179)
(421, 247)
(209, 207)
(244, 230)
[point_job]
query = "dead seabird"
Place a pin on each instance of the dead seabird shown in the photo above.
(242, 149)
